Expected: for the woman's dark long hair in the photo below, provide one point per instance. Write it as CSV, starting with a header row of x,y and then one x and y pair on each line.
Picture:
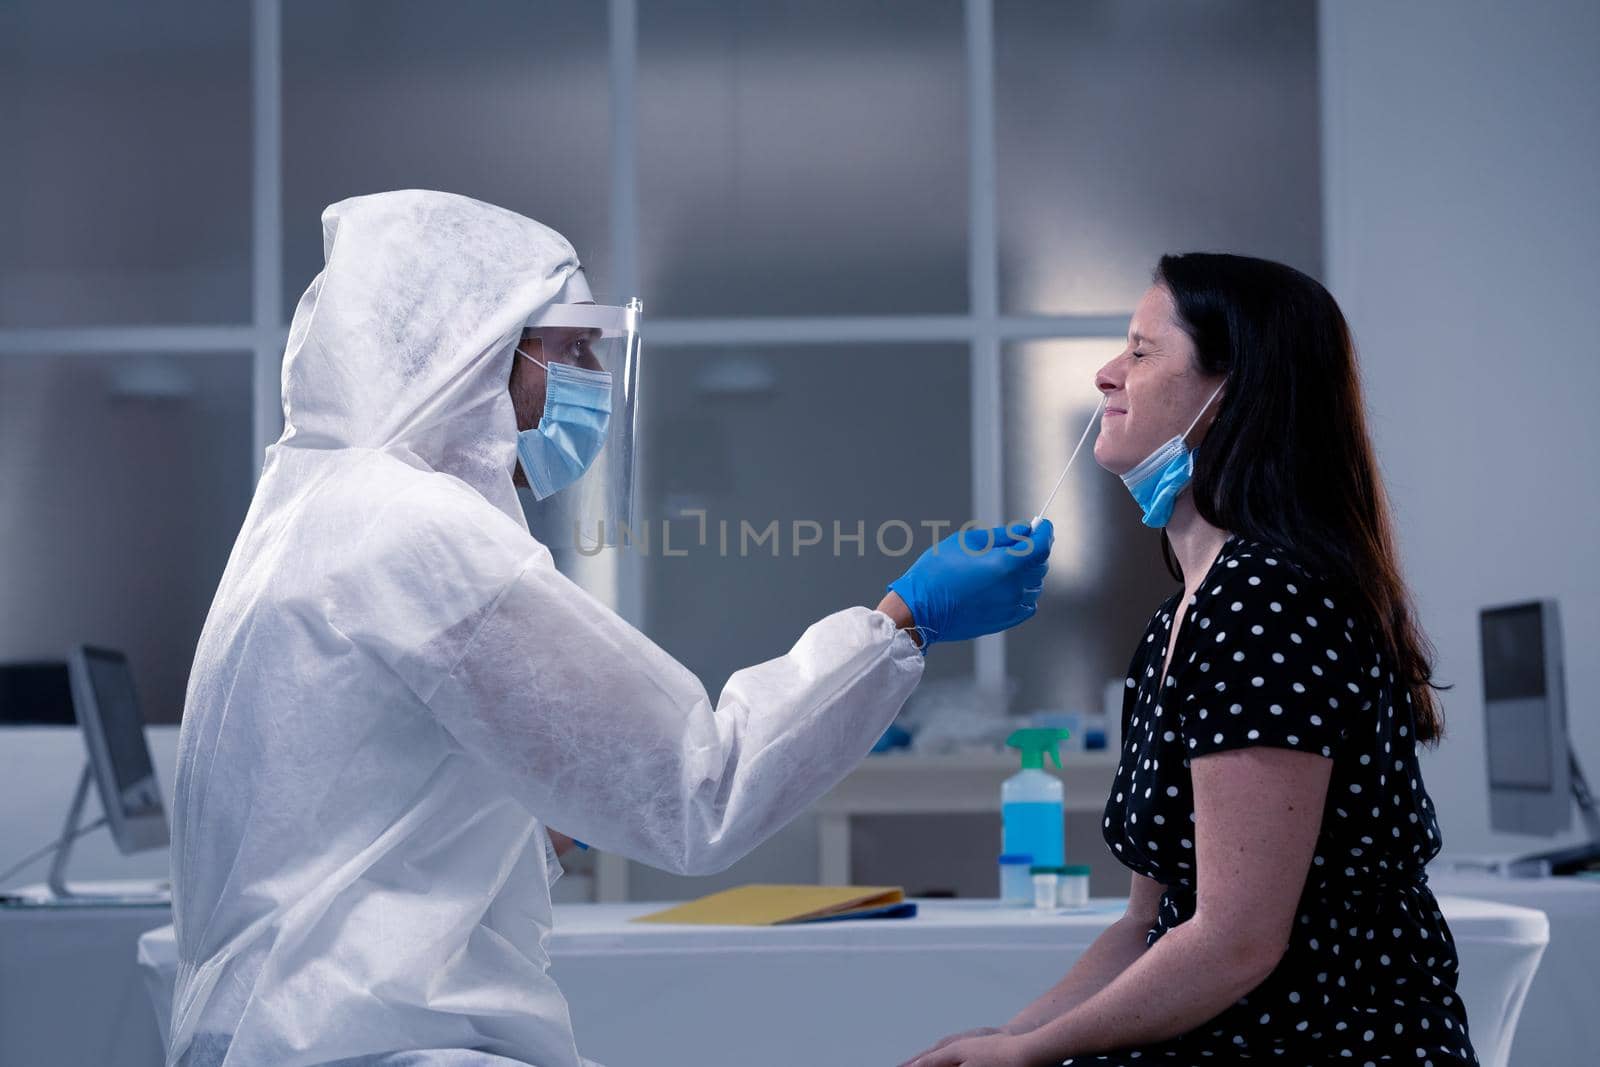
x,y
1287,460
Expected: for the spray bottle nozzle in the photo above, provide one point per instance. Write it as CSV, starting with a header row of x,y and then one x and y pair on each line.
x,y
1034,743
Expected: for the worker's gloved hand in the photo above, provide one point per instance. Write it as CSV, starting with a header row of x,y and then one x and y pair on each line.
x,y
976,582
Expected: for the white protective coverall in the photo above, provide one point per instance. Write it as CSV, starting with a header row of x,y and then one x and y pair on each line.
x,y
396,691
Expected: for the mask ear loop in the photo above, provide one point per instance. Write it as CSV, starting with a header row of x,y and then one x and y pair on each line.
x,y
1205,408
542,366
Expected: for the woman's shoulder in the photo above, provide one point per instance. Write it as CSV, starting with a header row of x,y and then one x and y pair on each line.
x,y
1258,557
1264,565
1276,658
1273,583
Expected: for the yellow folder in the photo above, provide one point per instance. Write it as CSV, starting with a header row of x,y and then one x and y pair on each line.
x,y
773,905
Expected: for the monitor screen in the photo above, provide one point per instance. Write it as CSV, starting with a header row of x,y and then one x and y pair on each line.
x,y
123,727
1513,653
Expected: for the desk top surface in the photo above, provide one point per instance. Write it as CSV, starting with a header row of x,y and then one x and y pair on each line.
x,y
977,921
603,928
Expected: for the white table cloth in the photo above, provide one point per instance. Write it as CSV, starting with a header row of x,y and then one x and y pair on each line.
x,y
1560,1022
873,992
70,993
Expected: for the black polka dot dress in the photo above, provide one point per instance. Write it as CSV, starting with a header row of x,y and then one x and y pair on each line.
x,y
1268,656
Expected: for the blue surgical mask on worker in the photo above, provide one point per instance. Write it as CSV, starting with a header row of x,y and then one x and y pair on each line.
x,y
1158,480
570,434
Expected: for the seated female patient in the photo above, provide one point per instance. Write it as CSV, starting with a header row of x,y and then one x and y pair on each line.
x,y
1268,800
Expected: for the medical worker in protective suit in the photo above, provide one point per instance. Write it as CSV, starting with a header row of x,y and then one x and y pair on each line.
x,y
396,692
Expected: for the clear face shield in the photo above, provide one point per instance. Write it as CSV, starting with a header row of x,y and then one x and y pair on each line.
x,y
579,460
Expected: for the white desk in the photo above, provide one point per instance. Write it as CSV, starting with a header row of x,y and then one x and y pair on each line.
x,y
70,990
874,992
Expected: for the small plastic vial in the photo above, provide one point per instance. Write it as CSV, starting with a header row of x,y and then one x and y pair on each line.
x,y
1072,889
1045,880
1016,886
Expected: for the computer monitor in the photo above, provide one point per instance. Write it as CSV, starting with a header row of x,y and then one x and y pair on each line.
x,y
1524,705
113,732
1534,774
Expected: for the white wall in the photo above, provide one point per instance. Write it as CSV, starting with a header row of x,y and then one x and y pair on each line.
x,y
1461,154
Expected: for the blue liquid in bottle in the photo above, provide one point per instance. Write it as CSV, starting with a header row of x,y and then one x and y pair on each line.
x,y
1034,827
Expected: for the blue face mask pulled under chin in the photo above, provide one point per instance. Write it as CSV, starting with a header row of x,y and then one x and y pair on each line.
x,y
572,431
1162,476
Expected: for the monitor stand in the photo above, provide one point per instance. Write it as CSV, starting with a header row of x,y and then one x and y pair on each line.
x,y
1573,858
125,893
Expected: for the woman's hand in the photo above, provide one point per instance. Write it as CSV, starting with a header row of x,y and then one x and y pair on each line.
x,y
976,1031
992,1049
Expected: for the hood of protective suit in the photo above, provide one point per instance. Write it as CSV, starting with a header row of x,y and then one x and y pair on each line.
x,y
404,342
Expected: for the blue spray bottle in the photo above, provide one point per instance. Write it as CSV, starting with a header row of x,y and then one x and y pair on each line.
x,y
1031,800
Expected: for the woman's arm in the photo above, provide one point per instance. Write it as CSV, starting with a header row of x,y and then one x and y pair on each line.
x,y
1257,815
1113,952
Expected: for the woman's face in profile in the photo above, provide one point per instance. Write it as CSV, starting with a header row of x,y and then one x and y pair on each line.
x,y
1153,389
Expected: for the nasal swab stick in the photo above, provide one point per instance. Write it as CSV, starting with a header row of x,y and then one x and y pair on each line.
x,y
1037,518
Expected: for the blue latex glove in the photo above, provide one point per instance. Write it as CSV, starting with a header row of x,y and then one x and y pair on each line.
x,y
977,582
